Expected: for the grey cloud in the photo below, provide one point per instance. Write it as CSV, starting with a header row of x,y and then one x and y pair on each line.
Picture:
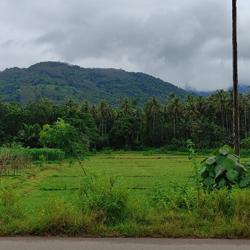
x,y
186,42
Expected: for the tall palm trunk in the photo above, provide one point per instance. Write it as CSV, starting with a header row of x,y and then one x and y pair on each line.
x,y
236,120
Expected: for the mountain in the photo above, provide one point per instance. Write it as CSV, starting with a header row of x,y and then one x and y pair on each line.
x,y
243,89
58,82
202,93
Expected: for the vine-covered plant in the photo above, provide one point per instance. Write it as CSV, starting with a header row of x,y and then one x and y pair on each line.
x,y
223,170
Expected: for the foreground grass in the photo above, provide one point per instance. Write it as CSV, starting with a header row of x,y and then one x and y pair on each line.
x,y
129,194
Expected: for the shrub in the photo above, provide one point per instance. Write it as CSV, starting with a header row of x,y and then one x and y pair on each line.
x,y
245,143
175,197
64,136
223,170
108,203
29,135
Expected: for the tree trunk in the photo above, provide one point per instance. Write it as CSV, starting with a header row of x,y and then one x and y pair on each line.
x,y
236,120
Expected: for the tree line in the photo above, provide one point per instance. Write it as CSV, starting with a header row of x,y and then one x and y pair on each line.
x,y
207,121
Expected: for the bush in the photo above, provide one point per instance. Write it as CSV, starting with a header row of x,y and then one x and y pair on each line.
x,y
29,135
108,203
223,170
64,136
175,197
187,212
245,143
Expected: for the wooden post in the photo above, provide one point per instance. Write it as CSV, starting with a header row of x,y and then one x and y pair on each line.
x,y
236,120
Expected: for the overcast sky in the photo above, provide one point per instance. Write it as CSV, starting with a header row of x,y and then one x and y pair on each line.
x,y
186,42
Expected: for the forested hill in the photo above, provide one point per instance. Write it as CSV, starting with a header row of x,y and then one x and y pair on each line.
x,y
60,81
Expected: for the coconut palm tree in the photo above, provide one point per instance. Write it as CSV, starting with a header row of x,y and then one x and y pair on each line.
x,y
236,120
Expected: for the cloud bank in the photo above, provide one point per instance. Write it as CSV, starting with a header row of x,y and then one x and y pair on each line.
x,y
186,42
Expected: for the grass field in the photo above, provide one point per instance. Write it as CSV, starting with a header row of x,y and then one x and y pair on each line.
x,y
139,173
133,171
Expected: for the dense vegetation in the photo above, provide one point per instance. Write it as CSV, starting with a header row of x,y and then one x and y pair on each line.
x,y
59,81
120,194
47,189
207,121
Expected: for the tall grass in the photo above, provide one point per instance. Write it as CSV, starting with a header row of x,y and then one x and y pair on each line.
x,y
47,154
13,159
101,198
103,209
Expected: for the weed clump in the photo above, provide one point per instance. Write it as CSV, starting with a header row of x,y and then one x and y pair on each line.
x,y
101,198
9,206
59,218
13,159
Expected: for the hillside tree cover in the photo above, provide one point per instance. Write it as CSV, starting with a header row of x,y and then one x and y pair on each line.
x,y
59,82
204,120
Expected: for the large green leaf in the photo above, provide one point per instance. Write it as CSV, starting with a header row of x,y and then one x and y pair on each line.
x,y
245,182
204,172
241,167
232,175
224,151
209,182
220,173
227,163
211,160
222,183
234,158
223,170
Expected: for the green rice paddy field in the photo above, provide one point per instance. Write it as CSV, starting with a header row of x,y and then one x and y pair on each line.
x,y
46,199
137,172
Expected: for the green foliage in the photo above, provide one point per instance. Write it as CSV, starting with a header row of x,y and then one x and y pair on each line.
x,y
166,210
64,136
176,196
219,212
153,122
59,82
29,135
126,131
195,165
14,158
103,199
9,206
47,154
216,203
223,170
55,218
160,123
245,143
